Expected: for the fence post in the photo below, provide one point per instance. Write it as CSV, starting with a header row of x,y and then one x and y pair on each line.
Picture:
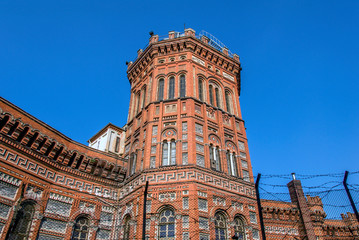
x,y
260,207
349,195
144,212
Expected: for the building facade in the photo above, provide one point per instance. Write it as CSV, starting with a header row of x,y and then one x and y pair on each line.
x,y
185,137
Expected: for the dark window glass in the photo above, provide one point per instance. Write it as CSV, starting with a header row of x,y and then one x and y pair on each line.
x,y
81,229
127,228
117,146
217,97
171,88
200,89
182,86
211,95
144,98
138,102
21,228
228,103
161,84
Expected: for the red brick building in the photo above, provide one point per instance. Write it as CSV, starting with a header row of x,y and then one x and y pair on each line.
x,y
304,218
185,136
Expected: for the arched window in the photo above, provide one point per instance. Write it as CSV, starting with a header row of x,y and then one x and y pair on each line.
x,y
161,85
220,226
126,228
171,88
239,228
166,228
143,97
81,229
211,100
22,224
228,102
133,162
200,89
138,99
169,153
215,157
217,97
232,163
182,86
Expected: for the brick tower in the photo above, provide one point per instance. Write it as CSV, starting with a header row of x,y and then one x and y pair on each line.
x,y
186,137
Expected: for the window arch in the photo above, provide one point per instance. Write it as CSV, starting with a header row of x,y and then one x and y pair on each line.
x,y
169,153
239,228
23,221
182,86
166,230
127,228
81,228
220,226
232,163
228,101
215,94
160,89
171,88
200,89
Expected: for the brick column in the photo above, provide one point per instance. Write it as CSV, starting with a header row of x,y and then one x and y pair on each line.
x,y
297,197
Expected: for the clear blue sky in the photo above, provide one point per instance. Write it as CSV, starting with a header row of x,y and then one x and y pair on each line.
x,y
64,63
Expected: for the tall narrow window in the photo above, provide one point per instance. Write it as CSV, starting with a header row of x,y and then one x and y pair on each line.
x,y
167,225
81,229
117,146
211,100
169,153
23,220
215,158
143,98
138,99
173,152
228,102
232,165
182,86
217,98
133,160
200,89
165,153
127,228
161,84
171,88
239,228
220,226
218,159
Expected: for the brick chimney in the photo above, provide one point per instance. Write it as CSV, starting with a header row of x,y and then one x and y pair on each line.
x,y
225,51
153,39
139,52
205,39
171,34
298,198
236,57
190,32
